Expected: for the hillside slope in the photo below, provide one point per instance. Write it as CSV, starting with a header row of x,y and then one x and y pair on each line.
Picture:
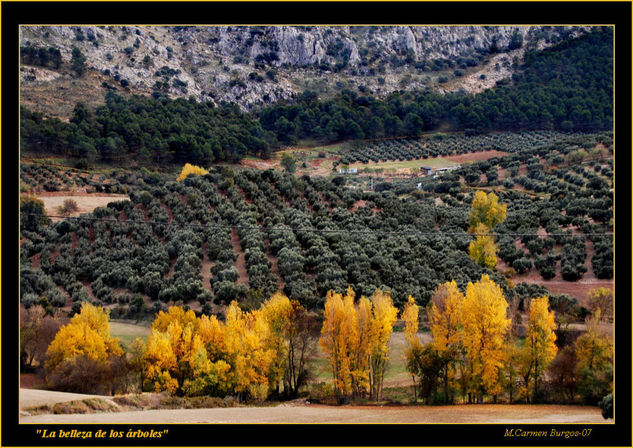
x,y
253,66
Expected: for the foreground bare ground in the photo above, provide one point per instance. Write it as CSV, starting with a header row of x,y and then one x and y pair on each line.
x,y
344,414
35,397
301,413
86,202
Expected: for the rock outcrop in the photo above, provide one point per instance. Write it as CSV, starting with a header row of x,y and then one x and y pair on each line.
x,y
254,66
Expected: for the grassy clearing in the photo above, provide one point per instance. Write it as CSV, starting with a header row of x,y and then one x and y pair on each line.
x,y
127,332
437,162
396,374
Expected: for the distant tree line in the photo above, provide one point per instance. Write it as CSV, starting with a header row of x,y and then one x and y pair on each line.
x,y
149,129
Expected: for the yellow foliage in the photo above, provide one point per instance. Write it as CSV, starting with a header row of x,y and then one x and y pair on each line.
x,y
174,314
540,344
277,312
483,249
87,334
602,299
411,320
484,328
594,349
191,169
485,209
355,337
246,335
336,337
445,316
384,317
159,360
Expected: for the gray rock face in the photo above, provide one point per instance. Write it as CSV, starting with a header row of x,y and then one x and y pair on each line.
x,y
253,66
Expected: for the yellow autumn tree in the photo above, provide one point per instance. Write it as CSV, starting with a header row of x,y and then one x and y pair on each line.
x,y
483,249
191,169
410,317
292,337
384,317
337,336
250,357
355,338
540,344
159,363
88,335
445,319
177,358
486,210
173,348
277,312
601,298
360,344
484,328
83,355
594,351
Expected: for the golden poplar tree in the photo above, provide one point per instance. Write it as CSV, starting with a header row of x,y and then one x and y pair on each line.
x,y
88,335
594,348
445,320
410,317
540,343
602,299
483,248
159,363
191,169
361,342
383,319
337,336
250,357
174,351
484,328
486,210
355,338
277,312
594,351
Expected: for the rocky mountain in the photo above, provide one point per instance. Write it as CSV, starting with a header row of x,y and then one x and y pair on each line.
x,y
254,66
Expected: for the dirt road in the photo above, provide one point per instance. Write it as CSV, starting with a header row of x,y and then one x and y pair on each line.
x,y
343,414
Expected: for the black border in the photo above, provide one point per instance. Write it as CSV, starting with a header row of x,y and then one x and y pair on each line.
x,y
490,13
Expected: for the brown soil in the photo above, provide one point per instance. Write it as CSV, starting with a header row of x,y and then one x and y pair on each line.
x,y
579,289
36,260
289,413
260,164
240,263
274,266
57,98
473,156
357,205
205,269
31,381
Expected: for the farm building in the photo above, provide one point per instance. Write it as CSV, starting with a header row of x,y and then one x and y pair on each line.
x,y
427,170
348,170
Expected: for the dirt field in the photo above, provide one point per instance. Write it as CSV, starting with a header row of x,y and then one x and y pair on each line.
x,y
343,414
86,202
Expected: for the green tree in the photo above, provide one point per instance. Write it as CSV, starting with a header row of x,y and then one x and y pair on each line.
x,y
289,162
32,213
78,62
